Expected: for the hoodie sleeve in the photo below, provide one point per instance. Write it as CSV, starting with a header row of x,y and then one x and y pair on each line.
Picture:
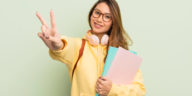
x,y
136,88
69,53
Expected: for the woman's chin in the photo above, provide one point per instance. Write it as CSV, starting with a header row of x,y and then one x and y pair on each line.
x,y
98,31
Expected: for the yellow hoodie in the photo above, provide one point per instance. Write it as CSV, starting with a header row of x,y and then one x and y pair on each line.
x,y
90,67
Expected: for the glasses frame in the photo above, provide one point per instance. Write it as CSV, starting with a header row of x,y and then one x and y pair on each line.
x,y
100,15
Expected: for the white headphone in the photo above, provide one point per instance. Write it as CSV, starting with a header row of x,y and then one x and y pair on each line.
x,y
94,40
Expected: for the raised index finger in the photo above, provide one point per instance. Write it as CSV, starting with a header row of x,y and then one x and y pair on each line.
x,y
41,19
52,19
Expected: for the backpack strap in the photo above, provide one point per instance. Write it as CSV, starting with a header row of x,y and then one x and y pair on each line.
x,y
80,54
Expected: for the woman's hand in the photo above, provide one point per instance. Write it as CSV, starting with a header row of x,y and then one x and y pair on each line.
x,y
103,86
49,35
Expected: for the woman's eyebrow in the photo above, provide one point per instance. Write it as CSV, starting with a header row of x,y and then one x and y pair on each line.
x,y
100,11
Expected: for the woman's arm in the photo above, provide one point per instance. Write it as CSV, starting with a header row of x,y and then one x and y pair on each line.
x,y
69,53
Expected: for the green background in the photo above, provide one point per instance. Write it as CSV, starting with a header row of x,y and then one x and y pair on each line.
x,y
161,31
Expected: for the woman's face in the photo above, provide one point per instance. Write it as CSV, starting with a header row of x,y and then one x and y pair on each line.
x,y
101,18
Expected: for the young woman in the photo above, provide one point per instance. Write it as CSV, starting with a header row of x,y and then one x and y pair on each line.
x,y
106,30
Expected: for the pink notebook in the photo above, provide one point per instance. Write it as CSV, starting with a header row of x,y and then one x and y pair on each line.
x,y
124,67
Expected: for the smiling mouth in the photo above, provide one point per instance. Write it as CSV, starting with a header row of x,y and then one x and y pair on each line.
x,y
96,25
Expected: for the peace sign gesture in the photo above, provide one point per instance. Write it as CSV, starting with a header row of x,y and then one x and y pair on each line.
x,y
49,35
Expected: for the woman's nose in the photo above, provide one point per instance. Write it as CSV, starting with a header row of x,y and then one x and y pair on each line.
x,y
100,18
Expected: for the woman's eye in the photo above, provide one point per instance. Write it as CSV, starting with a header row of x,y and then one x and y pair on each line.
x,y
97,12
108,17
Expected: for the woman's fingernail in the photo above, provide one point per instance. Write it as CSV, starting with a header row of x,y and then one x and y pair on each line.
x,y
47,37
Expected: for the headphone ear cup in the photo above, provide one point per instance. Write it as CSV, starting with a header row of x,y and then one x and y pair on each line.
x,y
95,39
104,39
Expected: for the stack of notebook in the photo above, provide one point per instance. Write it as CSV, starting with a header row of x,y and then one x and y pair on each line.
x,y
121,65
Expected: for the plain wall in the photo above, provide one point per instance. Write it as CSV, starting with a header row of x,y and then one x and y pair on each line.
x,y
161,31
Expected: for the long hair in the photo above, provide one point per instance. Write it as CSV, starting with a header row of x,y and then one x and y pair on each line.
x,y
117,35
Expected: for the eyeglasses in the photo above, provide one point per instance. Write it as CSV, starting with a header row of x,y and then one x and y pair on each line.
x,y
106,17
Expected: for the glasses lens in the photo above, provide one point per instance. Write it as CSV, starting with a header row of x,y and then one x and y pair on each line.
x,y
107,18
96,13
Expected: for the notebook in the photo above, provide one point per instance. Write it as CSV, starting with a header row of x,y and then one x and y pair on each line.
x,y
120,73
124,67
